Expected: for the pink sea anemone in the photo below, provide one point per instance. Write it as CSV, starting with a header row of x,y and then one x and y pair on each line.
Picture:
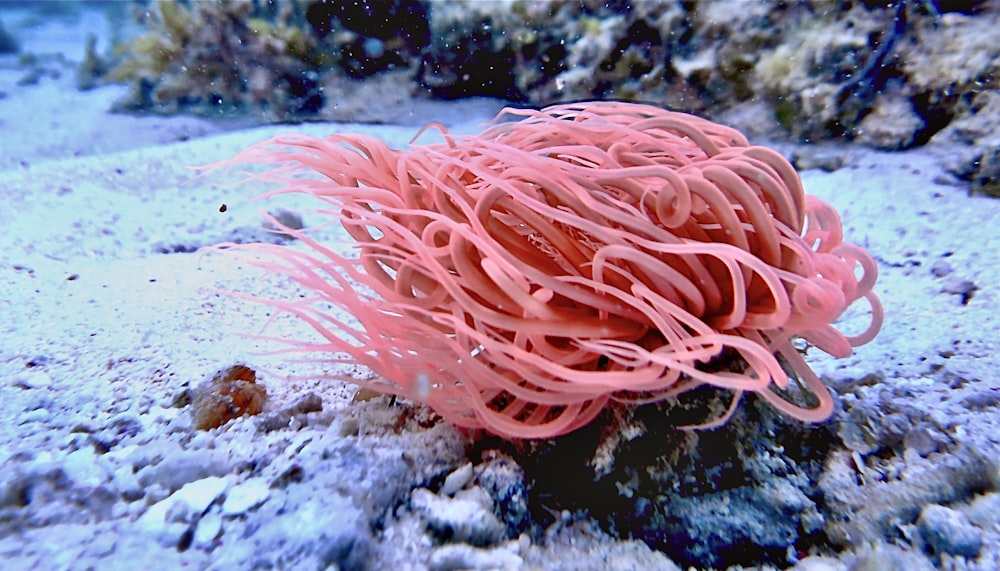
x,y
520,279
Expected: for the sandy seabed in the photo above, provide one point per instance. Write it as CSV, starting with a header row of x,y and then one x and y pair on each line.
x,y
109,311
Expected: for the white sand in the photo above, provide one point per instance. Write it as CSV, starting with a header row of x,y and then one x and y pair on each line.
x,y
99,332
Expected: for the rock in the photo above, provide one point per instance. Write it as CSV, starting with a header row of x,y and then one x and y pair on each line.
x,y
182,467
985,511
879,556
964,288
923,441
455,557
346,551
822,157
503,479
170,519
154,523
456,480
246,496
893,125
39,415
230,394
941,268
194,498
84,467
209,527
466,518
31,379
819,563
945,530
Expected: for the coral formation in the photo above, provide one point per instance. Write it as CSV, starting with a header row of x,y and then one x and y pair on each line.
x,y
271,59
217,58
522,279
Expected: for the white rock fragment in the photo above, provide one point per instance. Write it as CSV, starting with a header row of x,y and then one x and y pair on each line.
x,y
193,499
168,519
209,527
466,518
154,523
83,466
465,557
456,480
36,415
179,468
246,496
945,530
124,477
31,380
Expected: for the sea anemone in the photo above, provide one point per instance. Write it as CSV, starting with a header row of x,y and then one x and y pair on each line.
x,y
520,279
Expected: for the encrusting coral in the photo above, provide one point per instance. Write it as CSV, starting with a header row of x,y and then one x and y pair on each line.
x,y
520,279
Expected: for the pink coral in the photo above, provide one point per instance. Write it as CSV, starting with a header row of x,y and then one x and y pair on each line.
x,y
519,279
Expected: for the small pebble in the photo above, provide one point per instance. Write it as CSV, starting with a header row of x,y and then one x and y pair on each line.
x,y
230,394
32,379
941,268
964,288
36,415
209,527
456,480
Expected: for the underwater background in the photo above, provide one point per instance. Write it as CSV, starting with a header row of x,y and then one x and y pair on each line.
x,y
144,425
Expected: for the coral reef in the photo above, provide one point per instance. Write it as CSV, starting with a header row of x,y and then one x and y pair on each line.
x,y
270,60
890,75
219,58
